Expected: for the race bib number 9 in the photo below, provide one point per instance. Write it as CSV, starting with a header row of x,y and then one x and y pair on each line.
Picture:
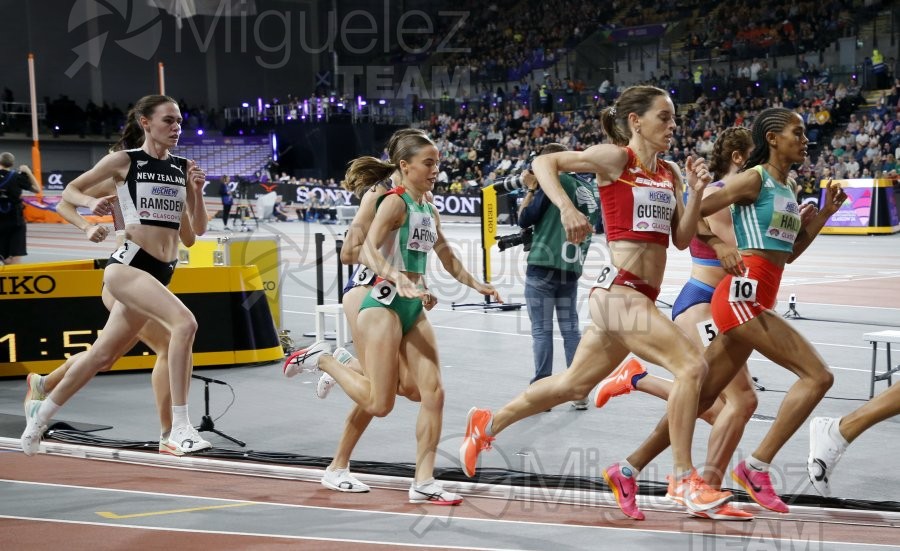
x,y
384,292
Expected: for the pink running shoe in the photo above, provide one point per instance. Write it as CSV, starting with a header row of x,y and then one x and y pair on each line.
x,y
759,485
624,487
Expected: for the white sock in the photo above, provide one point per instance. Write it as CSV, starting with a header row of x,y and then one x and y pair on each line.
x,y
627,469
417,484
180,416
757,465
47,411
835,433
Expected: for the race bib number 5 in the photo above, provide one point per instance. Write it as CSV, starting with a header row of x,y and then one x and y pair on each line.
x,y
384,292
364,275
608,274
708,331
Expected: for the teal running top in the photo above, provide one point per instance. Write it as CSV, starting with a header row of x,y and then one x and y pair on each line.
x,y
770,223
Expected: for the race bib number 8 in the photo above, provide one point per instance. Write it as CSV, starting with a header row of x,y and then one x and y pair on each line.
x,y
384,292
608,274
742,289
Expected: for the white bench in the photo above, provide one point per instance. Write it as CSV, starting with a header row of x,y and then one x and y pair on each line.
x,y
342,332
887,337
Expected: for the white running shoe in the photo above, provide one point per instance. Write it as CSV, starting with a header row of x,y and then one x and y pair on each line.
x,y
168,448
35,390
326,381
825,451
432,492
186,439
342,481
34,429
306,360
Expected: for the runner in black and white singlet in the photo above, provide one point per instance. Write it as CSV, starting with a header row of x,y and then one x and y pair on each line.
x,y
158,192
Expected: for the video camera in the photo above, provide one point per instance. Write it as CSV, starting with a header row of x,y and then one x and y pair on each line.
x,y
524,237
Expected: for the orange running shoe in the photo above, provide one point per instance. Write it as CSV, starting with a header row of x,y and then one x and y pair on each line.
x,y
723,512
696,494
476,439
618,382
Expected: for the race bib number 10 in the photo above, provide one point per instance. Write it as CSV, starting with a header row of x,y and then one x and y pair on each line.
x,y
742,289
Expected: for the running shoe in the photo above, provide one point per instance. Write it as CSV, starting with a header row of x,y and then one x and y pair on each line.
x,y
34,429
342,481
326,381
696,494
35,389
825,450
432,492
306,360
624,487
186,439
723,512
758,485
476,439
167,448
618,382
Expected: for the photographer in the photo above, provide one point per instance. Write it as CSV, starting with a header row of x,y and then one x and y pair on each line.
x,y
554,266
12,219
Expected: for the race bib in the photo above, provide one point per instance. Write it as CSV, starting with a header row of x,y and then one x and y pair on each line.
x,y
608,274
160,201
653,209
422,234
708,331
384,292
364,275
785,224
126,252
742,289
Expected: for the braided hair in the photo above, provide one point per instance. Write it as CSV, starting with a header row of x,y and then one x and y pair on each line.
x,y
774,119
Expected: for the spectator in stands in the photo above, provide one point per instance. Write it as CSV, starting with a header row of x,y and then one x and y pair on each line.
x,y
12,219
278,210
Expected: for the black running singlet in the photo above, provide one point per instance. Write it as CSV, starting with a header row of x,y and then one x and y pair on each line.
x,y
154,191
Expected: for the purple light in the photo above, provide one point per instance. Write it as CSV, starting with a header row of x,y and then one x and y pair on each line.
x,y
259,105
240,132
331,99
56,127
199,131
423,107
715,88
268,106
756,84
381,102
245,104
